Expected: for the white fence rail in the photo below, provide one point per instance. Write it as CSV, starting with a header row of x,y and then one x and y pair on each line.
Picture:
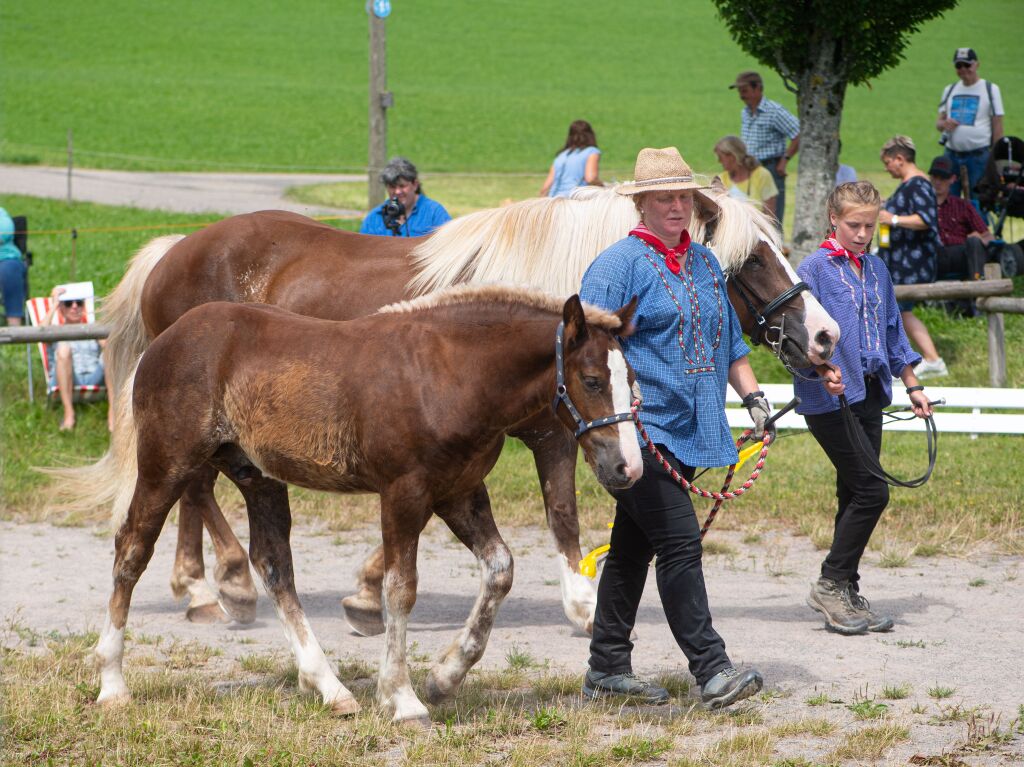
x,y
987,409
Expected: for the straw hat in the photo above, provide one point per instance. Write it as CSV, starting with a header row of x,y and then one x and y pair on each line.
x,y
659,170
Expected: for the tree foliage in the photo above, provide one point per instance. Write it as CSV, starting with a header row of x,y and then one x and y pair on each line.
x,y
869,36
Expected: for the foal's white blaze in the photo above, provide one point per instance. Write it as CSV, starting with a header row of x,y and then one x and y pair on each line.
x,y
816,319
628,444
579,600
109,655
315,672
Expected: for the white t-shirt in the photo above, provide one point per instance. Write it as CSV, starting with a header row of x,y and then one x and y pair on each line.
x,y
969,105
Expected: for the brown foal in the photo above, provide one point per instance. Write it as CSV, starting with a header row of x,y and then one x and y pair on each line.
x,y
412,403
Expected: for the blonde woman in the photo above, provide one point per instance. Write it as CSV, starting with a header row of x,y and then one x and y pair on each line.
x,y
744,176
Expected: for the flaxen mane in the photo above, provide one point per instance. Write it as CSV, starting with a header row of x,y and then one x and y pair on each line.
x,y
548,243
513,295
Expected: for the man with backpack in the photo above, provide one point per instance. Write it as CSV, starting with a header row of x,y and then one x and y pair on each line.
x,y
970,119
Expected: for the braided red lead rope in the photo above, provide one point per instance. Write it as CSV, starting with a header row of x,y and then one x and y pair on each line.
x,y
720,497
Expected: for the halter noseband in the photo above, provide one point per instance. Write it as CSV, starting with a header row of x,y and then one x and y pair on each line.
x,y
562,394
760,332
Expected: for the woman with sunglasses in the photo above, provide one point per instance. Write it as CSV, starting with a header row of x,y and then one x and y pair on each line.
x,y
73,363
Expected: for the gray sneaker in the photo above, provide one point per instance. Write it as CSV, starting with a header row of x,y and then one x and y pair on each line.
x,y
832,599
597,684
728,686
875,621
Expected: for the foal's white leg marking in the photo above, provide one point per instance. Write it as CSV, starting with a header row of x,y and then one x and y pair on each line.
x,y
621,401
199,592
109,656
816,319
579,599
469,646
315,671
394,688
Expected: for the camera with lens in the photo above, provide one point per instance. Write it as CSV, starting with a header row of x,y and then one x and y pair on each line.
x,y
943,138
392,211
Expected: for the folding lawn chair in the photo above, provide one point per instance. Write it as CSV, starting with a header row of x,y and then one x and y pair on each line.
x,y
36,310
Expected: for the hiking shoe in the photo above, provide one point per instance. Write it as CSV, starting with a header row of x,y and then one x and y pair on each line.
x,y
597,684
728,686
875,621
933,369
832,599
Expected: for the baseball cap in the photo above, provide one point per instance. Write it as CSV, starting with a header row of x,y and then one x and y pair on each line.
x,y
747,78
964,54
79,291
942,167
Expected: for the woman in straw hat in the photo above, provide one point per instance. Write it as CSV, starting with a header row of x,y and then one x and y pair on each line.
x,y
686,347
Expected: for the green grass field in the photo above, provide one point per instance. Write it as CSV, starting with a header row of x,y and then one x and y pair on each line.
x,y
491,87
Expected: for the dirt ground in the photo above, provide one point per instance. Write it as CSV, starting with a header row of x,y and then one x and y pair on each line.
x,y
959,621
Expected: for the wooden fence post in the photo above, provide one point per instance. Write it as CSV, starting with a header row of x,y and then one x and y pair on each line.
x,y
996,337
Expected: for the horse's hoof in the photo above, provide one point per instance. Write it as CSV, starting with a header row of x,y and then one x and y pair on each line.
x,y
114,701
363,618
418,721
435,693
208,613
239,609
345,707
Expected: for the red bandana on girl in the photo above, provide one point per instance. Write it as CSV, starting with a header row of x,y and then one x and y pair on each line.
x,y
672,255
832,245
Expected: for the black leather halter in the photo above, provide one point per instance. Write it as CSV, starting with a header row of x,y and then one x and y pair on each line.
x,y
760,332
562,394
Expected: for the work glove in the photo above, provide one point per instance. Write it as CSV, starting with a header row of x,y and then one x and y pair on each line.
x,y
759,410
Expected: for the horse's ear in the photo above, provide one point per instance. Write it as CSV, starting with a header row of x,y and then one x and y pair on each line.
x,y
575,322
717,185
625,314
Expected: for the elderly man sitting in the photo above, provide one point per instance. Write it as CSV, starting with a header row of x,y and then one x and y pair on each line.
x,y
962,230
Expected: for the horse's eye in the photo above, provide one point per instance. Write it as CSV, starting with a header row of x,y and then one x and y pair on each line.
x,y
592,383
755,261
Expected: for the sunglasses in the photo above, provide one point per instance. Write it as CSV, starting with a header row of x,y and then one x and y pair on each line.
x,y
963,65
73,302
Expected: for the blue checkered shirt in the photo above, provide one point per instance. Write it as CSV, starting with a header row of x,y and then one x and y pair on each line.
x,y
766,129
871,336
681,358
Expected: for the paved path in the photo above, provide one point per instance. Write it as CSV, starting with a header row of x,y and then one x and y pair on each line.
x,y
226,193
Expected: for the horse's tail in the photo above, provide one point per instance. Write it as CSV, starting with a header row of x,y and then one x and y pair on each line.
x,y
84,490
122,310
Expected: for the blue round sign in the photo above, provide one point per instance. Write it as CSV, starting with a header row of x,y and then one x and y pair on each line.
x,y
381,8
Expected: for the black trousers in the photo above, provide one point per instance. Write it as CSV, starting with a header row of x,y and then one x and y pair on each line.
x,y
655,516
862,497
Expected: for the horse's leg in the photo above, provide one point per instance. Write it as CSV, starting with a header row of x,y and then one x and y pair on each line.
x,y
401,525
269,528
133,548
554,453
237,591
364,611
473,524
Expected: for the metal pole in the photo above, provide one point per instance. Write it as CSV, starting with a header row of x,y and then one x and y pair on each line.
x,y
71,153
380,100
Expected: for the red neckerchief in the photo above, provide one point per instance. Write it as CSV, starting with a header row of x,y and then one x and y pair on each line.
x,y
832,245
671,255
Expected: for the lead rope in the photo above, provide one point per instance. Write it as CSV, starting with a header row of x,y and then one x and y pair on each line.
x,y
724,494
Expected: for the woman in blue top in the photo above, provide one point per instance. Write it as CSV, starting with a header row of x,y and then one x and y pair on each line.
x,y
576,165
856,289
687,345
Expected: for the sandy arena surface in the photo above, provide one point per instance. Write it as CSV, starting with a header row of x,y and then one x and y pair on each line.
x,y
959,621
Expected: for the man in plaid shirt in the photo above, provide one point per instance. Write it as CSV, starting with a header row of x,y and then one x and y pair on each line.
x,y
766,127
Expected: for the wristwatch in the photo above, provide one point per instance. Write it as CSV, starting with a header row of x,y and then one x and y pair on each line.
x,y
895,220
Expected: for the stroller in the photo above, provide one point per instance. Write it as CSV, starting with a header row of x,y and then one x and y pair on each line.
x,y
1001,194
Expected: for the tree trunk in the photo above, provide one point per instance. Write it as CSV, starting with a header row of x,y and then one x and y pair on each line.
x,y
820,95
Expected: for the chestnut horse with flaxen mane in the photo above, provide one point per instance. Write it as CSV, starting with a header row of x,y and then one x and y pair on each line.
x,y
310,268
412,403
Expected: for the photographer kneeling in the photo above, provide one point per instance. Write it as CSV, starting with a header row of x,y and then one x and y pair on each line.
x,y
407,212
